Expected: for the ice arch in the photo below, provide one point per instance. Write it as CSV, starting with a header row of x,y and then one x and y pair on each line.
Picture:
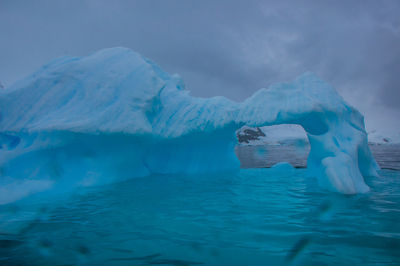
x,y
115,113
267,146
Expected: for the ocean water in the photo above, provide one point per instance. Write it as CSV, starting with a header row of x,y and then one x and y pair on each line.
x,y
387,156
262,216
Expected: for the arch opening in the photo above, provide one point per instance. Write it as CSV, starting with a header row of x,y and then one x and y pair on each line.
x,y
260,147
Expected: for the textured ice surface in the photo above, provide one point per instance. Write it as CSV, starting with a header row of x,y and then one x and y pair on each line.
x,y
115,115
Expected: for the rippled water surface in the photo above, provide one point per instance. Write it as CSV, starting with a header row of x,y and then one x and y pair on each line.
x,y
387,156
252,217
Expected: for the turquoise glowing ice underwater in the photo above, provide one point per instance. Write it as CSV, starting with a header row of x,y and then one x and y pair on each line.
x,y
252,217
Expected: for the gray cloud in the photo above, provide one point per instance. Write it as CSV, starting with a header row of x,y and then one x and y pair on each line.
x,y
229,48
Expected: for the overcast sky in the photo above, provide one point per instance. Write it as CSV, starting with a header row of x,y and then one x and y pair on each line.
x,y
229,48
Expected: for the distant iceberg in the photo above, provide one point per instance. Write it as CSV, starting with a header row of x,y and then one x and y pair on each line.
x,y
285,134
114,115
377,136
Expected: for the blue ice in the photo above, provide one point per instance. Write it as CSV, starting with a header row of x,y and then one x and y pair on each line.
x,y
115,115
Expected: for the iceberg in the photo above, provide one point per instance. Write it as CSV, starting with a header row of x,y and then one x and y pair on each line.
x,y
115,115
379,136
